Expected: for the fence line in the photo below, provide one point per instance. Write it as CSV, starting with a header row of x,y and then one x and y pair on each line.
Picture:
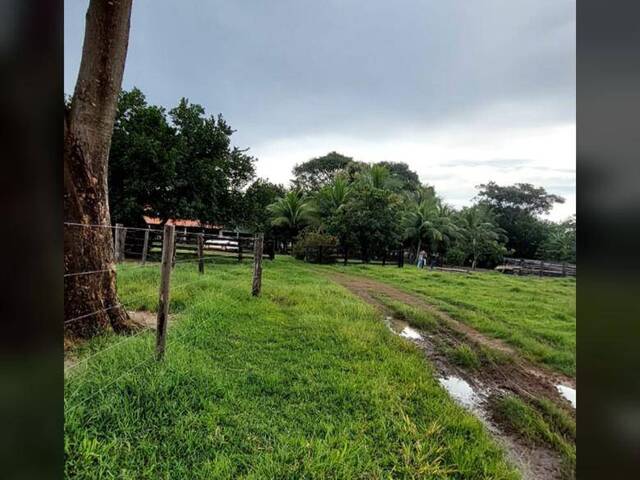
x,y
173,243
118,378
93,313
100,352
89,272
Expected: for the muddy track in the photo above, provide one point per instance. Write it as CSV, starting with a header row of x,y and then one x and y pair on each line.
x,y
517,376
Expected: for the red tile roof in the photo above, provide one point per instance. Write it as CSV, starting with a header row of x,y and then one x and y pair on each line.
x,y
180,222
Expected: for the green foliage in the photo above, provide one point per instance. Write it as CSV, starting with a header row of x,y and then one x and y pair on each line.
x,y
372,217
521,196
481,237
292,212
377,176
179,165
309,243
257,197
560,242
355,201
318,172
464,356
516,207
403,177
303,382
429,224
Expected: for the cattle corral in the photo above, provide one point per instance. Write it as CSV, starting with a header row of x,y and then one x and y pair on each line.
x,y
543,268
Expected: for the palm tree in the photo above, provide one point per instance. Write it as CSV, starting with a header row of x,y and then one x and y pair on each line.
x,y
292,212
478,231
429,221
333,197
379,176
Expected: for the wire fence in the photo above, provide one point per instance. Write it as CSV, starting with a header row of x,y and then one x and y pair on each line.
x,y
160,250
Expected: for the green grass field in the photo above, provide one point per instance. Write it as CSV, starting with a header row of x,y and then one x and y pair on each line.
x,y
303,382
535,315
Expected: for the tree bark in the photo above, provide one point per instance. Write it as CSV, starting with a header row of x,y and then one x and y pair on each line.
x,y
88,126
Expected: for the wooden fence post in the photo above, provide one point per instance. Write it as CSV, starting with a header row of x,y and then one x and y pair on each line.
x,y
162,318
120,237
116,242
257,265
272,249
384,257
541,267
174,248
123,243
401,258
564,269
239,250
145,247
346,255
201,253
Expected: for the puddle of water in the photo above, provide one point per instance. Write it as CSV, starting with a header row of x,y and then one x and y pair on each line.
x,y
408,332
402,328
568,393
460,390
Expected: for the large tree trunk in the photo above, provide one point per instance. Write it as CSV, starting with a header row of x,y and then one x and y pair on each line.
x,y
88,126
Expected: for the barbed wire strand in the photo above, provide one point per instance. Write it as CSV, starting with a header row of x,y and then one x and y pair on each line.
x,y
178,233
93,313
100,352
118,378
88,272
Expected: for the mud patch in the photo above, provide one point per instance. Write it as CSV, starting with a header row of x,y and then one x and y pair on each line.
x,y
143,318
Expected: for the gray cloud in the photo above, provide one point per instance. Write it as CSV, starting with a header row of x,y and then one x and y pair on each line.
x,y
497,163
287,67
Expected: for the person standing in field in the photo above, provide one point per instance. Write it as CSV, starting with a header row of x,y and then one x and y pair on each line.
x,y
434,261
422,259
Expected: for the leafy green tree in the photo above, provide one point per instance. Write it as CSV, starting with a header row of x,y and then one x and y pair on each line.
x,y
403,177
256,199
372,218
480,235
179,165
516,208
142,160
210,174
292,212
521,196
331,202
312,175
560,243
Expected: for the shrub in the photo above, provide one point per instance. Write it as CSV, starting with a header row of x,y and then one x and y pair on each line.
x,y
315,247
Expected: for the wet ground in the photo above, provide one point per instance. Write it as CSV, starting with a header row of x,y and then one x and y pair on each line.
x,y
475,389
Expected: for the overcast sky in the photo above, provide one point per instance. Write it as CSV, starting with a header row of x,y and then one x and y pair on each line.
x,y
463,91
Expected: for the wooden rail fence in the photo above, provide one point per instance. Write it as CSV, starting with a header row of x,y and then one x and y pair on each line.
x,y
524,266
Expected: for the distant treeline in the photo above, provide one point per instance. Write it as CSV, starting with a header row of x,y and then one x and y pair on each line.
x,y
180,164
378,208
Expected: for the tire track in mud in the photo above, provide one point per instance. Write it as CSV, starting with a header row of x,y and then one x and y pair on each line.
x,y
490,381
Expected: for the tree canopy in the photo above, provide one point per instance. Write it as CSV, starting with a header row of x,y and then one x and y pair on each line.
x,y
516,208
319,171
175,165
